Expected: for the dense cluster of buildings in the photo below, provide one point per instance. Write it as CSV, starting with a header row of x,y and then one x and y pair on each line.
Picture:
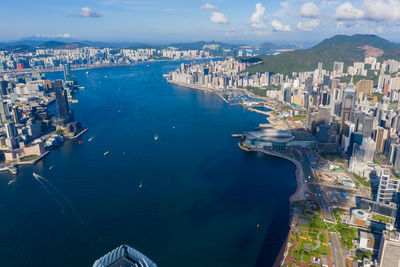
x,y
27,127
352,112
89,56
224,74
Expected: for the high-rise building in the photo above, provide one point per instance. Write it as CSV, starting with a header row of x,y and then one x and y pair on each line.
x,y
124,256
388,187
337,68
389,250
11,131
64,113
380,136
348,102
4,111
364,88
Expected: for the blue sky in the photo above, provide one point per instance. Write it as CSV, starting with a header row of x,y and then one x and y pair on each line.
x,y
188,20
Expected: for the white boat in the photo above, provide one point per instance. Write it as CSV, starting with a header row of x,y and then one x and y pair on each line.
x,y
51,167
140,184
91,139
87,73
11,181
156,137
105,76
106,153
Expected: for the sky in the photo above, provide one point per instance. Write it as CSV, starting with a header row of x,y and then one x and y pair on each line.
x,y
157,21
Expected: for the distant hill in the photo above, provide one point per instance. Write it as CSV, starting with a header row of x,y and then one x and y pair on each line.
x,y
61,45
338,48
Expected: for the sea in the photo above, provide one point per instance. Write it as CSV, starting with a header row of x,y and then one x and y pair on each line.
x,y
174,185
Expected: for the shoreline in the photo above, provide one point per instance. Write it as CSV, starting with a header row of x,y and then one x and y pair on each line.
x,y
296,196
299,173
100,66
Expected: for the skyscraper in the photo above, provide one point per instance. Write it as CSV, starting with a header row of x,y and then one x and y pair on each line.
x,y
389,250
64,113
388,187
4,111
124,256
337,68
348,102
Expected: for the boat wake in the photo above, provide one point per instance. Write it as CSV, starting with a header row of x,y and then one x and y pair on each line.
x,y
64,204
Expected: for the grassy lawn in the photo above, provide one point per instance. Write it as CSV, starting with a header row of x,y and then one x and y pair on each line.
x,y
332,157
347,234
380,218
362,180
308,241
337,213
28,158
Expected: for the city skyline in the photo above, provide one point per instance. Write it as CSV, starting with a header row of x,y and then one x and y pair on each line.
x,y
220,20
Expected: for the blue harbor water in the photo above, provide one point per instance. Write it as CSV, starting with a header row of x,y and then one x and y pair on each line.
x,y
189,198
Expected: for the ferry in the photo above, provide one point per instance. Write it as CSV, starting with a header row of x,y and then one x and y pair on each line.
x,y
106,153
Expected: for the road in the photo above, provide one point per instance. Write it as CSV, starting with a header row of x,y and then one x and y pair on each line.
x,y
315,188
339,255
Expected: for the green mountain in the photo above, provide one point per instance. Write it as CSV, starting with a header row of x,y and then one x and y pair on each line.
x,y
347,49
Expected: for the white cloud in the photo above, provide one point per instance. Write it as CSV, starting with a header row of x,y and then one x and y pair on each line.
x,y
88,12
347,11
308,24
309,10
257,19
218,18
380,10
230,31
208,6
60,35
280,27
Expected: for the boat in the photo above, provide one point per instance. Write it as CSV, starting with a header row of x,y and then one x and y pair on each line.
x,y
11,181
156,137
105,76
106,153
91,139
87,73
51,167
173,127
140,184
